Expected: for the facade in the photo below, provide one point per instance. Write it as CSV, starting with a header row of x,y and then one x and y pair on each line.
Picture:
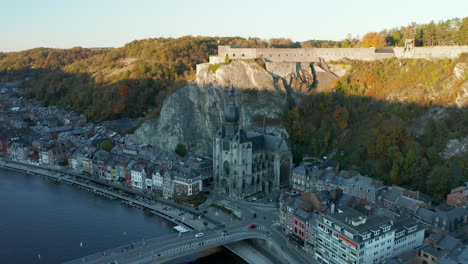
x,y
245,162
168,185
351,237
138,173
157,181
187,184
458,196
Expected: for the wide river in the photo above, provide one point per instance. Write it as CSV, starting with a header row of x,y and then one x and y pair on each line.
x,y
46,222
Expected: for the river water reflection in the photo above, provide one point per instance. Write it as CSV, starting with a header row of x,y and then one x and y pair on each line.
x,y
46,222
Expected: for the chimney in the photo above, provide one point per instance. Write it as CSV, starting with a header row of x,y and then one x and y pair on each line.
x,y
332,208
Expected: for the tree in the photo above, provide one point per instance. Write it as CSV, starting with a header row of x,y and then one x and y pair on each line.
x,y
373,39
181,150
439,182
106,145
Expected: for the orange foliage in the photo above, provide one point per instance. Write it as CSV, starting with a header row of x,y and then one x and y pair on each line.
x,y
118,108
373,39
124,90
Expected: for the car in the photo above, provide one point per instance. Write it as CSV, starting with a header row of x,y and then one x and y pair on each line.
x,y
252,226
197,235
252,199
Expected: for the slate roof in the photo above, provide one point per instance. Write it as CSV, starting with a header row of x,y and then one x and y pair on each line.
x,y
303,215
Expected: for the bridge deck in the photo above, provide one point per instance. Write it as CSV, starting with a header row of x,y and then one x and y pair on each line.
x,y
167,247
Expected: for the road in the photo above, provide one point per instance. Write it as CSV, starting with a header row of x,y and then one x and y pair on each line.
x,y
173,245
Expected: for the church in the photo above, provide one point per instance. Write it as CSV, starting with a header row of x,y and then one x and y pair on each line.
x,y
245,163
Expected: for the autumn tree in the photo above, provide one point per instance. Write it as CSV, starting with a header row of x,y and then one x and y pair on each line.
x,y
373,39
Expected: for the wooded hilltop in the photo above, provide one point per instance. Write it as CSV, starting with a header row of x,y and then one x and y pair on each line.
x,y
401,114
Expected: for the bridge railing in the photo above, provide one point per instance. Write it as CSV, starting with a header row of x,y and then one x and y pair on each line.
x,y
148,254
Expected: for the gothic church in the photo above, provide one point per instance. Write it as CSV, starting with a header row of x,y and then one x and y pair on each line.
x,y
244,162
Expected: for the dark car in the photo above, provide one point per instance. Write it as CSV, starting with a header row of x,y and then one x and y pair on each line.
x,y
252,226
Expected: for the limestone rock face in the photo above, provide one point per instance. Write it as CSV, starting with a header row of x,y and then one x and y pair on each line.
x,y
193,114
239,74
301,81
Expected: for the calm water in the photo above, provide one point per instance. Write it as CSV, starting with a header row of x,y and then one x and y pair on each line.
x,y
40,217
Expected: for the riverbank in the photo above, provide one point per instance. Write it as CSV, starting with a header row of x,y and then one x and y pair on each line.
x,y
179,215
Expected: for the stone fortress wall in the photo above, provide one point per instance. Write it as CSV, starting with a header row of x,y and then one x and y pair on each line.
x,y
283,61
439,52
328,54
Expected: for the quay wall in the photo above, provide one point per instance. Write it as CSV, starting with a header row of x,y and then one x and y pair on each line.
x,y
160,202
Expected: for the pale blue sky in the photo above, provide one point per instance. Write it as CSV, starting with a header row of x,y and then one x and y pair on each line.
x,y
112,23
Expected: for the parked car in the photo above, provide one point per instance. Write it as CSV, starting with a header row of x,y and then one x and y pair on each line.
x,y
252,226
197,235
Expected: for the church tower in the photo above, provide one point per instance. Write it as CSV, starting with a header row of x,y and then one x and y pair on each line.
x,y
231,116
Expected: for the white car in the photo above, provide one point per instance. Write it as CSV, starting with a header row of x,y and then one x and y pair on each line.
x,y
197,235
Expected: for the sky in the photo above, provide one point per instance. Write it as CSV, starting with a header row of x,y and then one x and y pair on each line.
x,y
26,24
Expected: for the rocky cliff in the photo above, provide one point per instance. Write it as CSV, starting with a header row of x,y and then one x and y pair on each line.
x,y
194,113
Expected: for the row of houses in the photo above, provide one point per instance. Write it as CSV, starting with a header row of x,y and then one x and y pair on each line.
x,y
54,138
336,216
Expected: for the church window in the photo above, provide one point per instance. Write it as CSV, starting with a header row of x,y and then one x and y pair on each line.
x,y
242,54
233,54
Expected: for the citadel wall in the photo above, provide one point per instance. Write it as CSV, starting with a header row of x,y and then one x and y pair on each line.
x,y
440,52
313,54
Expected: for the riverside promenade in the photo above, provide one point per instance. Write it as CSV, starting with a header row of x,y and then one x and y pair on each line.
x,y
176,213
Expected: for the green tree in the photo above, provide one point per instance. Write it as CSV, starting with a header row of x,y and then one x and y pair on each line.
x,y
106,145
181,150
439,182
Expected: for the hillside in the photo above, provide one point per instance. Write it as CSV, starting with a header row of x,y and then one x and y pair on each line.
x,y
134,79
407,122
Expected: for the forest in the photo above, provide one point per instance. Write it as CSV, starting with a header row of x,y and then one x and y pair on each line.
x,y
396,131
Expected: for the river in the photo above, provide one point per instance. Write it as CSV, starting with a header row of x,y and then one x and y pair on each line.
x,y
47,222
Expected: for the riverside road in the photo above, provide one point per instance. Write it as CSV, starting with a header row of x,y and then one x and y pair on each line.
x,y
147,252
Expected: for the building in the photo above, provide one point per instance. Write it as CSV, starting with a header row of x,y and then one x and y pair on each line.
x,y
138,173
245,163
352,237
157,180
187,184
458,196
441,248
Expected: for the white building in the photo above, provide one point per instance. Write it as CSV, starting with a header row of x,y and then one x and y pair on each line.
x,y
138,176
158,180
352,237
